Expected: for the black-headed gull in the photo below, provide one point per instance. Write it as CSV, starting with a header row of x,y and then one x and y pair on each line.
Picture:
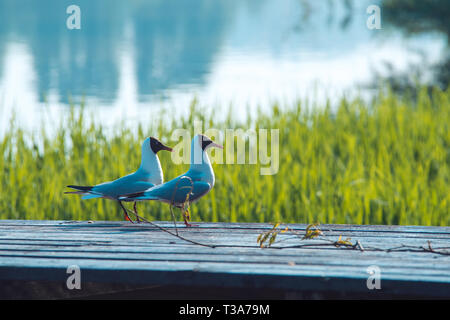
x,y
148,175
188,187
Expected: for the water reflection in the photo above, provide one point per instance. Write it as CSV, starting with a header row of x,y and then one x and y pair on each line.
x,y
169,47
131,56
416,18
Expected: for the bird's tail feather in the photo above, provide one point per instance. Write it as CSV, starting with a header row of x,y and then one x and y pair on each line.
x,y
85,191
74,192
81,188
91,196
85,195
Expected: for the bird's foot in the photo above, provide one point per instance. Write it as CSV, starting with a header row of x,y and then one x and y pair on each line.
x,y
127,218
189,225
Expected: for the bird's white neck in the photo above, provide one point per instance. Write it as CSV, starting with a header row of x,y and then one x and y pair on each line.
x,y
200,162
150,165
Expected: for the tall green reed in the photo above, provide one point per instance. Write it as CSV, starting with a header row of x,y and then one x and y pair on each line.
x,y
381,162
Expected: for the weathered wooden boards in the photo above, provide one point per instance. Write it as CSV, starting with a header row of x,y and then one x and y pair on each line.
x,y
119,257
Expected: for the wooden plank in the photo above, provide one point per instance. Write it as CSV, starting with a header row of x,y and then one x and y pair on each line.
x,y
132,254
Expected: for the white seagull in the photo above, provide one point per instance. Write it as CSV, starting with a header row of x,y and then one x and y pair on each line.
x,y
188,187
148,175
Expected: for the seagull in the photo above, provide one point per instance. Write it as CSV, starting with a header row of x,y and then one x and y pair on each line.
x,y
188,187
148,175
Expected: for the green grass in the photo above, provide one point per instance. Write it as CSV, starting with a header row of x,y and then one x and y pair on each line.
x,y
384,162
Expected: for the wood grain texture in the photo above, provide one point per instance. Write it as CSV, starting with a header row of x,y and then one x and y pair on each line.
x,y
139,255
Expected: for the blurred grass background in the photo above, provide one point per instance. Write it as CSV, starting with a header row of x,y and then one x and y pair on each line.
x,y
383,162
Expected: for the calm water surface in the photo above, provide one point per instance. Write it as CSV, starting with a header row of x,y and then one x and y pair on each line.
x,y
133,58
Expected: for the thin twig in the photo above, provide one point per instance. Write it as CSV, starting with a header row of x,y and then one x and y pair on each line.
x,y
329,243
169,232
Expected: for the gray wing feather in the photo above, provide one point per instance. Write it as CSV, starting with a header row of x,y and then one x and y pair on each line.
x,y
172,191
115,190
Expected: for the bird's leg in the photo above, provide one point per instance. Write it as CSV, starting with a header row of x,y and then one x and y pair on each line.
x,y
183,207
127,217
186,214
136,213
188,225
187,217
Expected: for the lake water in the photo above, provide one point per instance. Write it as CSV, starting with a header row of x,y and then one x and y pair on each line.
x,y
133,58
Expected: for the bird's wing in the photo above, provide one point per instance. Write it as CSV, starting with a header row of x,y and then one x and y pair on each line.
x,y
139,196
160,192
179,193
175,193
200,189
115,190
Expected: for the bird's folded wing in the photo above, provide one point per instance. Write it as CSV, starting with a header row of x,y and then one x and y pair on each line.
x,y
115,190
138,196
137,188
195,191
200,189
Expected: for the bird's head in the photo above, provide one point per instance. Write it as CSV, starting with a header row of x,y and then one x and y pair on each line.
x,y
156,145
206,143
